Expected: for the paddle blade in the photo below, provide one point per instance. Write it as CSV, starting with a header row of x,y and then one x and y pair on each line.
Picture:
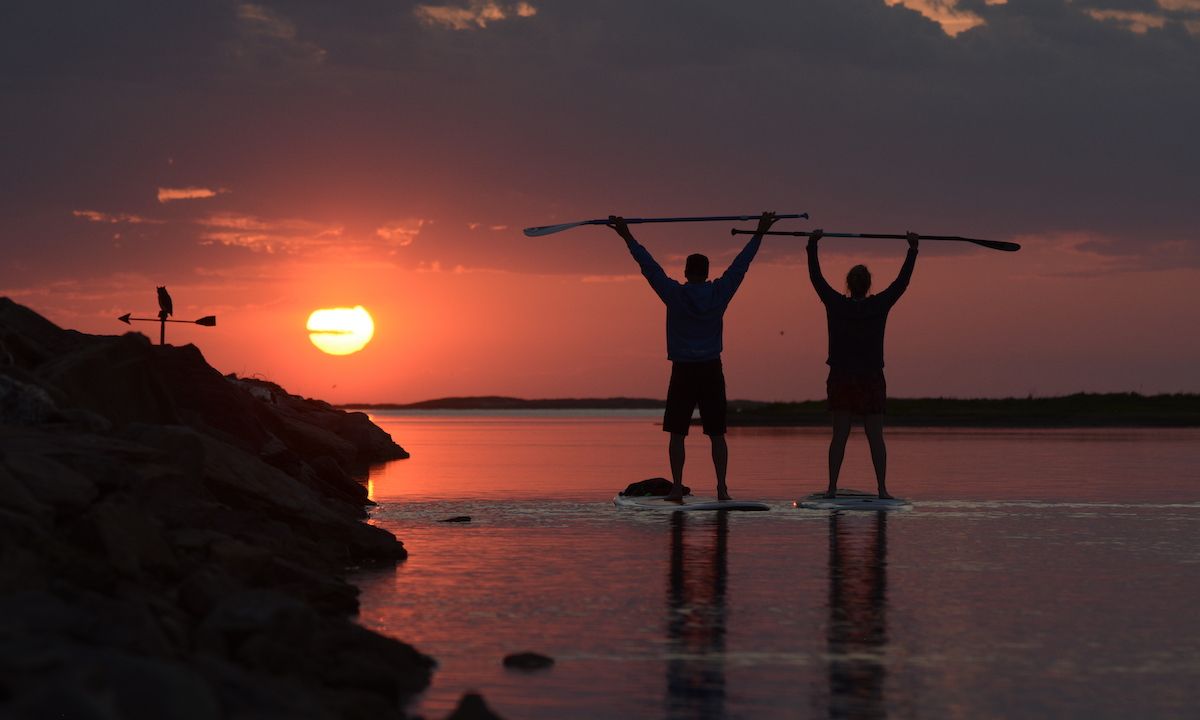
x,y
207,320
125,318
999,245
551,229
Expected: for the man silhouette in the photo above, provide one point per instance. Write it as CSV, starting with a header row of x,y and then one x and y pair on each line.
x,y
856,385
694,328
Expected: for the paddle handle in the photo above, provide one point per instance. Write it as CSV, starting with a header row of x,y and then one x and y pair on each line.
x,y
1002,245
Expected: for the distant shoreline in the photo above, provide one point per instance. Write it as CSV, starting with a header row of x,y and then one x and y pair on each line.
x,y
1077,410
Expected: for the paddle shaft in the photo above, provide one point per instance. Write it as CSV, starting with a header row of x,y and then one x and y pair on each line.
x,y
550,229
993,244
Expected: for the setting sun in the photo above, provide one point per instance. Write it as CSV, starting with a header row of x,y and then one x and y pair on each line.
x,y
340,331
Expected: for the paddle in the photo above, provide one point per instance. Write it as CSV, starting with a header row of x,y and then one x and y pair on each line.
x,y
551,229
993,244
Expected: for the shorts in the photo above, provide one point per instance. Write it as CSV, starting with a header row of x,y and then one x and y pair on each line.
x,y
858,392
692,384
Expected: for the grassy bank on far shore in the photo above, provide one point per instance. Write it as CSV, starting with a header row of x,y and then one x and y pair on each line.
x,y
1078,410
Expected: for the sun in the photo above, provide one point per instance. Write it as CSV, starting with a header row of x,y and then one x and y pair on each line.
x,y
340,331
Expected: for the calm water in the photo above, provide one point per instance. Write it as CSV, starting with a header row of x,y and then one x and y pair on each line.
x,y
1039,573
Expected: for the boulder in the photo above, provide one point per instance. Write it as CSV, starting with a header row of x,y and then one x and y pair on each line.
x,y
23,403
528,661
116,377
471,706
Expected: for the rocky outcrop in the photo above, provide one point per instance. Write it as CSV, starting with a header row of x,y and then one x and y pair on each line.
x,y
471,706
173,541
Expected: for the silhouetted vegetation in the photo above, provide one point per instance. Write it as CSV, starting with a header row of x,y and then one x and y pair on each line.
x,y
1078,410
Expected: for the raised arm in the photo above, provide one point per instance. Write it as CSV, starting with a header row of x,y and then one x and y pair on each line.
x,y
824,291
893,292
736,272
653,272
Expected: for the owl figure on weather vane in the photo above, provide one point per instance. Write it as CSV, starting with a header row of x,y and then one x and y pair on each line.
x,y
165,306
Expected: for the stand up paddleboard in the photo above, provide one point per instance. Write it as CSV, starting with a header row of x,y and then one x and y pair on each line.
x,y
690,502
851,500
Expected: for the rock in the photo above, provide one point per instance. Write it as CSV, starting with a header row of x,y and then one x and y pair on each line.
x,y
653,487
15,496
23,403
458,519
30,338
528,661
131,539
263,630
116,377
50,481
472,707
358,658
109,685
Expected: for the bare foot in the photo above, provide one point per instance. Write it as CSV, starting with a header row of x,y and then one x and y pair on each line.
x,y
674,497
723,497
830,494
883,495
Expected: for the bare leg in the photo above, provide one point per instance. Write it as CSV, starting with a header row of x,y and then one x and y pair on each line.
x,y
675,451
720,456
837,449
873,424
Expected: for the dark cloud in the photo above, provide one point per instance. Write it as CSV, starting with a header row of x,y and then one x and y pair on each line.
x,y
1042,120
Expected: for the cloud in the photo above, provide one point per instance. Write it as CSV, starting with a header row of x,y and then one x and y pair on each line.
x,y
268,35
1180,5
166,195
401,233
1187,12
476,14
1137,22
268,236
609,278
99,217
946,13
1087,254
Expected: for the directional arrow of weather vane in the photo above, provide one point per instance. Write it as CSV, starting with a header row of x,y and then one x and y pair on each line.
x,y
207,321
165,308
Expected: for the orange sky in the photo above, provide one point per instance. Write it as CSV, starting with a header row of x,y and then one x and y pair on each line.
x,y
264,159
973,323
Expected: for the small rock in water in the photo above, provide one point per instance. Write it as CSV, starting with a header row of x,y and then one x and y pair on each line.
x,y
527,661
458,518
472,707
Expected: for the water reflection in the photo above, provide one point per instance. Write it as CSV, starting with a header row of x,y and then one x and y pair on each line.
x,y
857,637
696,617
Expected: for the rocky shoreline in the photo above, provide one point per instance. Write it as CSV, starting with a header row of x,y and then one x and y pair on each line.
x,y
174,540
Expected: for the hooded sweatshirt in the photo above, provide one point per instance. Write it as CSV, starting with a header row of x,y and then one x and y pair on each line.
x,y
695,310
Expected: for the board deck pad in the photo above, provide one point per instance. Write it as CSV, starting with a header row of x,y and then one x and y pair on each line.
x,y
850,500
690,502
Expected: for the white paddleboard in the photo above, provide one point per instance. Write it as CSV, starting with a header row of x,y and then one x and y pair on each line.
x,y
690,502
850,500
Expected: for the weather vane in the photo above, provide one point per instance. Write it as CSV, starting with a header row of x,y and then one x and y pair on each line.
x,y
165,309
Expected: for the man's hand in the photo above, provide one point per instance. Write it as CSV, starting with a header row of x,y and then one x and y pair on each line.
x,y
617,223
765,222
815,236
913,239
